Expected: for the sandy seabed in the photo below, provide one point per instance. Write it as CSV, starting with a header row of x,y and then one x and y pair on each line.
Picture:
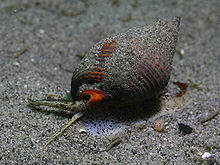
x,y
39,41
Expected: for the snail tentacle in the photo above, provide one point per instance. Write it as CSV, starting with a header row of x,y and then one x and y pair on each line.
x,y
74,118
77,106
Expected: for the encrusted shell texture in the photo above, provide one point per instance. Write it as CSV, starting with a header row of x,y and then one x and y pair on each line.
x,y
128,67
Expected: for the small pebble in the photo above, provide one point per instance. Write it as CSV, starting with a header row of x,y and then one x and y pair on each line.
x,y
206,155
82,130
158,125
41,31
16,64
182,51
185,129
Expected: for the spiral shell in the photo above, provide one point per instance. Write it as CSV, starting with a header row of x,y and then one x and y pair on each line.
x,y
128,67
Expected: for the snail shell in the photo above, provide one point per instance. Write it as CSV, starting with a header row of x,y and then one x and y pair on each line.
x,y
128,67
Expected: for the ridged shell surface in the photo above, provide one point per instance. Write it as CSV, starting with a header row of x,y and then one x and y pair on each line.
x,y
131,66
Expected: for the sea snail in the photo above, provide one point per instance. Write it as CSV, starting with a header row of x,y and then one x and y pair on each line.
x,y
123,69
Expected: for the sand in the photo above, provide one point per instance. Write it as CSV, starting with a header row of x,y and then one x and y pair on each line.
x,y
39,41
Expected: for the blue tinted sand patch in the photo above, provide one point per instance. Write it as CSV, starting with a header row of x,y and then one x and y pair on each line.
x,y
102,124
